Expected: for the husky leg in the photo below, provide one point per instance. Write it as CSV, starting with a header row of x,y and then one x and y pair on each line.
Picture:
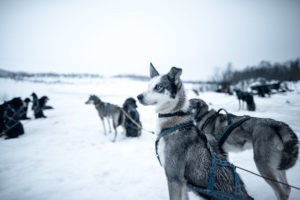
x,y
184,193
280,192
103,124
282,178
109,126
115,128
175,190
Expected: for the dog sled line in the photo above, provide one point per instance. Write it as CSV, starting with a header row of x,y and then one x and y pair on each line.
x,y
189,156
15,110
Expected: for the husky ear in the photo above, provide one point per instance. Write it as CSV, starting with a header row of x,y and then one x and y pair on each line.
x,y
153,71
174,74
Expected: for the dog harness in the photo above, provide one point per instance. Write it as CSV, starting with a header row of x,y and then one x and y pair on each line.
x,y
10,118
209,190
167,131
21,111
231,126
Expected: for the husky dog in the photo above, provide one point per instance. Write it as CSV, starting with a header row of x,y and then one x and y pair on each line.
x,y
275,145
23,113
10,124
36,107
245,97
43,101
129,107
107,110
184,155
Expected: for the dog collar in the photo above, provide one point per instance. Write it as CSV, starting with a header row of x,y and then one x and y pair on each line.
x,y
178,113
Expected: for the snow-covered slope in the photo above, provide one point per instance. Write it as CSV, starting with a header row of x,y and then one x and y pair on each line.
x,y
66,156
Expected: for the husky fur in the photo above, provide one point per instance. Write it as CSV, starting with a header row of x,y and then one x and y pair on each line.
x,y
36,107
108,111
11,108
23,115
129,107
275,145
245,97
43,101
183,154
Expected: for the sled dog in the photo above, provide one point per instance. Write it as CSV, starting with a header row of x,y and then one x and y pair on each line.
x,y
184,152
275,145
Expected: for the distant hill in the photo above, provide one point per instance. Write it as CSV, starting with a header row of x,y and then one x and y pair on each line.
x,y
27,75
22,75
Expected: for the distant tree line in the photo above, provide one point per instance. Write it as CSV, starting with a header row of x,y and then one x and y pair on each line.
x,y
287,71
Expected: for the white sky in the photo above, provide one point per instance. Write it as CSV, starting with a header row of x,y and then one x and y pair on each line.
x,y
120,36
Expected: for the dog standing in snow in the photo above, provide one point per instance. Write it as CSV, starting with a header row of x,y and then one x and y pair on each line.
x,y
183,152
108,111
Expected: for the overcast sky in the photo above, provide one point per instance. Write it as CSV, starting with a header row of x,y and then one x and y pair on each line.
x,y
120,36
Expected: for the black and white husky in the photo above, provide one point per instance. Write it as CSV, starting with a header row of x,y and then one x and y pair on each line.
x,y
108,111
183,151
275,145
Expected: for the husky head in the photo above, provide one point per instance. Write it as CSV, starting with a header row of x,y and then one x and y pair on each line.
x,y
165,92
93,99
197,107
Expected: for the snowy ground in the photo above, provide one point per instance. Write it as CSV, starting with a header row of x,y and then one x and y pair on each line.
x,y
66,156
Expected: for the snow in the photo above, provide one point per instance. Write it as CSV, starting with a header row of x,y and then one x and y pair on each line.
x,y
66,156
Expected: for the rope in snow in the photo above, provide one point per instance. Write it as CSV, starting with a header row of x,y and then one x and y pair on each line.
x,y
137,124
273,180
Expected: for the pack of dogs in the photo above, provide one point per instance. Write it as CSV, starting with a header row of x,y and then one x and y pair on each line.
x,y
116,115
193,143
264,89
15,110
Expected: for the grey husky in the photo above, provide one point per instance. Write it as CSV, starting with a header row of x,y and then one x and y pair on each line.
x,y
275,145
183,153
108,111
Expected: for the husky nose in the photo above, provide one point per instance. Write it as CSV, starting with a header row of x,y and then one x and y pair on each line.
x,y
140,97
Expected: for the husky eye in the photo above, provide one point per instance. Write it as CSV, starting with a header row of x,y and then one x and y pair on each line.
x,y
158,87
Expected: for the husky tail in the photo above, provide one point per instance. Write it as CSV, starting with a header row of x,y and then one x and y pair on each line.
x,y
290,145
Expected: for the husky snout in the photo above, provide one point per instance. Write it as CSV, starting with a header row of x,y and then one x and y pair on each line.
x,y
140,97
88,102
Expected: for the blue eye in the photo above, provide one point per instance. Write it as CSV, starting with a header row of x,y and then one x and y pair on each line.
x,y
158,87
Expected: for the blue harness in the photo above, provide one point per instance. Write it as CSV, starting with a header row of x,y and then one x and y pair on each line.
x,y
209,190
231,126
10,118
106,105
21,111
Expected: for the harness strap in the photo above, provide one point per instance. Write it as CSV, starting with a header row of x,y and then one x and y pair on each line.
x,y
178,113
198,119
210,191
214,193
230,129
10,121
167,131
208,120
21,111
